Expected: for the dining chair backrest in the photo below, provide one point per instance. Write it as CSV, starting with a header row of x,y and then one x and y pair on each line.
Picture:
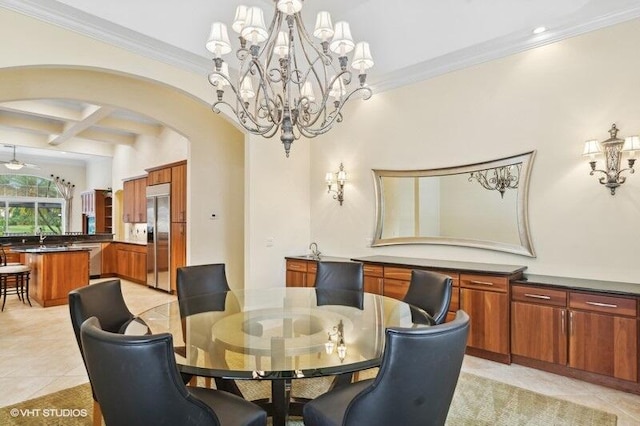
x,y
430,291
102,300
199,280
417,378
339,276
136,380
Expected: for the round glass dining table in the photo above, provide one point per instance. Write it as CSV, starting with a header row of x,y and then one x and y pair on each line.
x,y
279,334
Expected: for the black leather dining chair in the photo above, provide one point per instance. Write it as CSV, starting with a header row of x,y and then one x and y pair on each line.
x,y
204,288
431,292
418,376
104,301
136,381
339,276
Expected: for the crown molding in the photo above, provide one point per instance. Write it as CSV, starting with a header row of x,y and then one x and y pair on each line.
x,y
495,49
64,16
70,18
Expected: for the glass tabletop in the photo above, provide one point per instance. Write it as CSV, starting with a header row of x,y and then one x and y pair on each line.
x,y
278,333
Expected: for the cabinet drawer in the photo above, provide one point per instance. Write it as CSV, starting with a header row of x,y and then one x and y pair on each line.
x,y
484,282
605,304
542,295
312,267
372,270
297,265
397,273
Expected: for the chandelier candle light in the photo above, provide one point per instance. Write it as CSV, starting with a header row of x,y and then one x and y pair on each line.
x,y
499,178
286,81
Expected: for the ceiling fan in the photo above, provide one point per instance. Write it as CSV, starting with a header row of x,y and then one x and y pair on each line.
x,y
15,164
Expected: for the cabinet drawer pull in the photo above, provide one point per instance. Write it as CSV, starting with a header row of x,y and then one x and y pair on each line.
x,y
481,282
602,305
537,296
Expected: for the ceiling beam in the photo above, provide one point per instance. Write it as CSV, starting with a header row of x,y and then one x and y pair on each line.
x,y
41,109
131,126
29,123
108,137
91,115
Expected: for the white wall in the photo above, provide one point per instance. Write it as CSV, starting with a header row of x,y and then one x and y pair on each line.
x,y
550,99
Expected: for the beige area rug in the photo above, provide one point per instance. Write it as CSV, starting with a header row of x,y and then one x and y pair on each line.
x,y
477,401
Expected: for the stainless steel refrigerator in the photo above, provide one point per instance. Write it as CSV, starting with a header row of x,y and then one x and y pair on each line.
x,y
158,238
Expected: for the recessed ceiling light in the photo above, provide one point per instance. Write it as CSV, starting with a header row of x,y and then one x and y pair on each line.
x,y
539,30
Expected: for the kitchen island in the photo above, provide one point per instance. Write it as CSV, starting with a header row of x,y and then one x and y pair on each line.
x,y
55,271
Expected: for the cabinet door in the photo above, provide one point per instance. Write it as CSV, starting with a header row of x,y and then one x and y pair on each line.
x,y
604,344
138,267
539,332
123,264
156,177
128,201
296,275
373,284
395,288
109,259
140,200
489,319
179,193
178,249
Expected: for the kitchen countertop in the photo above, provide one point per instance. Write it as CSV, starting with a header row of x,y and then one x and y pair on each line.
x,y
492,268
54,249
322,258
570,283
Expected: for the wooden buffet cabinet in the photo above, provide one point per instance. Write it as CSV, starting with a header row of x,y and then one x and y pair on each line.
x,y
579,328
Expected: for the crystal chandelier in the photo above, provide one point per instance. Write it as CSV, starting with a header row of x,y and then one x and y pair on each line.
x,y
299,88
499,178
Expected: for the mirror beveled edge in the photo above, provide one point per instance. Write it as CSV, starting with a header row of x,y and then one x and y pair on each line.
x,y
525,248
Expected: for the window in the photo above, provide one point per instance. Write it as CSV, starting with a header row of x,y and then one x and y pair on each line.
x,y
29,204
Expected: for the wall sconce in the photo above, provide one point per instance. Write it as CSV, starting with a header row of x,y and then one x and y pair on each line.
x,y
612,149
499,178
339,178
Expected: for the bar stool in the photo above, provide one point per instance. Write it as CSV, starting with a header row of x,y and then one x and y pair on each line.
x,y
14,279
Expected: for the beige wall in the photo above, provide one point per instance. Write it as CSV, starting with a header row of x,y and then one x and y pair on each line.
x,y
550,99
49,62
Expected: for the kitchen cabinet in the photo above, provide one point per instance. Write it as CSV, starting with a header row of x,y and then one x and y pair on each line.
x,y
373,278
539,323
109,259
97,211
135,200
575,331
393,281
603,335
131,260
178,256
485,298
55,274
179,193
296,273
158,176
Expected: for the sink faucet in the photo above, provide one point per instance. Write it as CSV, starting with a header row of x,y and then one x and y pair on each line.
x,y
314,250
41,236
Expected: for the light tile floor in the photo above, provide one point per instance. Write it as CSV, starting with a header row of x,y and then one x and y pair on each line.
x,y
40,355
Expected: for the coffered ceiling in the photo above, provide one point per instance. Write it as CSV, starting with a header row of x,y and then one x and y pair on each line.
x,y
411,40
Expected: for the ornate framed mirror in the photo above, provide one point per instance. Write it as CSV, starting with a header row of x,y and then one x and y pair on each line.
x,y
482,205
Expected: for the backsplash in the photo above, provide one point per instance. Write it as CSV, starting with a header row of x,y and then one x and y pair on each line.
x,y
135,232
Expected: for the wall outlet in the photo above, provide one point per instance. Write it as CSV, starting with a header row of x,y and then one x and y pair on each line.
x,y
270,242
214,216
